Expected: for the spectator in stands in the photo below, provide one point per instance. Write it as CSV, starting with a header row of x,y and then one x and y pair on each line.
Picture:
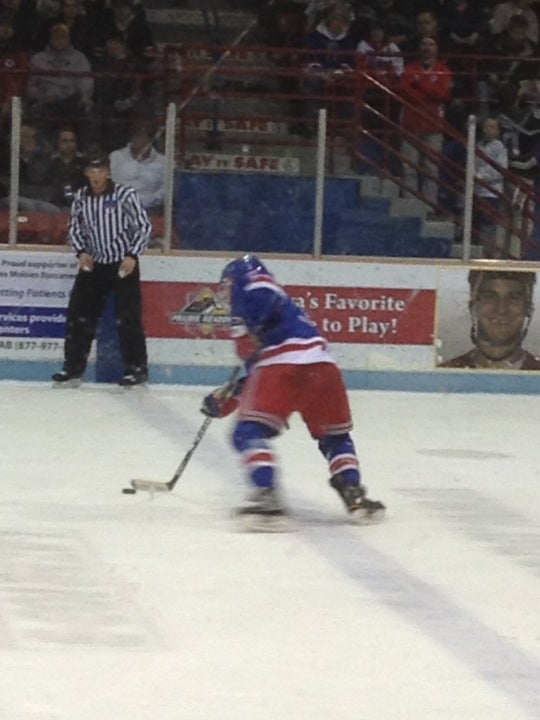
x,y
395,19
65,170
33,154
47,9
521,128
462,29
70,14
383,61
316,10
282,24
331,39
521,135
121,95
425,86
362,14
55,97
23,16
489,205
126,20
34,193
382,58
332,54
502,77
13,71
462,26
505,11
525,242
427,26
141,167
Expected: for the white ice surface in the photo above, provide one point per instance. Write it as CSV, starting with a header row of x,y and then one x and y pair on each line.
x,y
116,607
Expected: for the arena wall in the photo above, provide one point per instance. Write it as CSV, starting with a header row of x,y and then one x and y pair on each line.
x,y
390,324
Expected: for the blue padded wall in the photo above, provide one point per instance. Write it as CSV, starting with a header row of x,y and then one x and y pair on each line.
x,y
266,213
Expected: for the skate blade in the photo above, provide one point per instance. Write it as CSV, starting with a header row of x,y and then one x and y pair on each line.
x,y
364,517
68,384
151,486
256,523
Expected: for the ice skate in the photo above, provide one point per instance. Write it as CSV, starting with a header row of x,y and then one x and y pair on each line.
x,y
63,379
134,379
263,511
360,508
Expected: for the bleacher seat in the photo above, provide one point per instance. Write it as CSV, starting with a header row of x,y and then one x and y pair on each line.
x,y
36,228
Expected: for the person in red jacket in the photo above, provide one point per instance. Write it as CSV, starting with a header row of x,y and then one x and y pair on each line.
x,y
425,87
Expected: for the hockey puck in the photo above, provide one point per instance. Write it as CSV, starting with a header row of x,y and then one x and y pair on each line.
x,y
129,491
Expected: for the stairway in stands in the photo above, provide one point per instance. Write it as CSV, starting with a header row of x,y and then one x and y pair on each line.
x,y
223,22
242,213
200,21
271,206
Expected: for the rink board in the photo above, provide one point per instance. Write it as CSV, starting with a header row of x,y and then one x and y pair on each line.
x,y
389,323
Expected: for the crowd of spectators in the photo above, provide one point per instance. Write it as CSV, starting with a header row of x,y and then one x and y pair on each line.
x,y
50,51
83,70
443,60
504,36
49,175
87,61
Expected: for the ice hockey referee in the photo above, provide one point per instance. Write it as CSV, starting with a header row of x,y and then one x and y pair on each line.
x,y
109,229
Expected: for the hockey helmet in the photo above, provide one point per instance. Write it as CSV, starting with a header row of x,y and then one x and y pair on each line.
x,y
240,269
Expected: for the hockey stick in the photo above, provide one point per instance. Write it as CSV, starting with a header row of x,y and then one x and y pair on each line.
x,y
154,486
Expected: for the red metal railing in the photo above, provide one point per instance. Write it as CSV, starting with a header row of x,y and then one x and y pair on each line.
x,y
221,111
230,99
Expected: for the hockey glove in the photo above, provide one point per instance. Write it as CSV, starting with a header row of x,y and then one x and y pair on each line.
x,y
223,401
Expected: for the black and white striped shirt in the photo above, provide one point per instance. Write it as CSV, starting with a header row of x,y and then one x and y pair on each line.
x,y
109,226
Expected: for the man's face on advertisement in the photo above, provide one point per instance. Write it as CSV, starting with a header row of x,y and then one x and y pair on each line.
x,y
500,308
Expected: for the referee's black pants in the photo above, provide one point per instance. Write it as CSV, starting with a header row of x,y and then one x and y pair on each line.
x,y
86,305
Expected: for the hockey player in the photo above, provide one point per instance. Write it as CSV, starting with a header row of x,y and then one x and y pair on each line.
x,y
289,368
501,307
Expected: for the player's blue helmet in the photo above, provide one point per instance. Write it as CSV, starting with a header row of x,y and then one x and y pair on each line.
x,y
238,270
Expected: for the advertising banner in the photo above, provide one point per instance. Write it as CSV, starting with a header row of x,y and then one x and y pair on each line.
x,y
34,292
270,164
343,314
486,320
249,126
375,317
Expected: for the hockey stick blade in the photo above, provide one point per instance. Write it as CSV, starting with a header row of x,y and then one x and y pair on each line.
x,y
151,486
154,486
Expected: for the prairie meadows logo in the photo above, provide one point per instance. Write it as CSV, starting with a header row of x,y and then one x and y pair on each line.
x,y
204,311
